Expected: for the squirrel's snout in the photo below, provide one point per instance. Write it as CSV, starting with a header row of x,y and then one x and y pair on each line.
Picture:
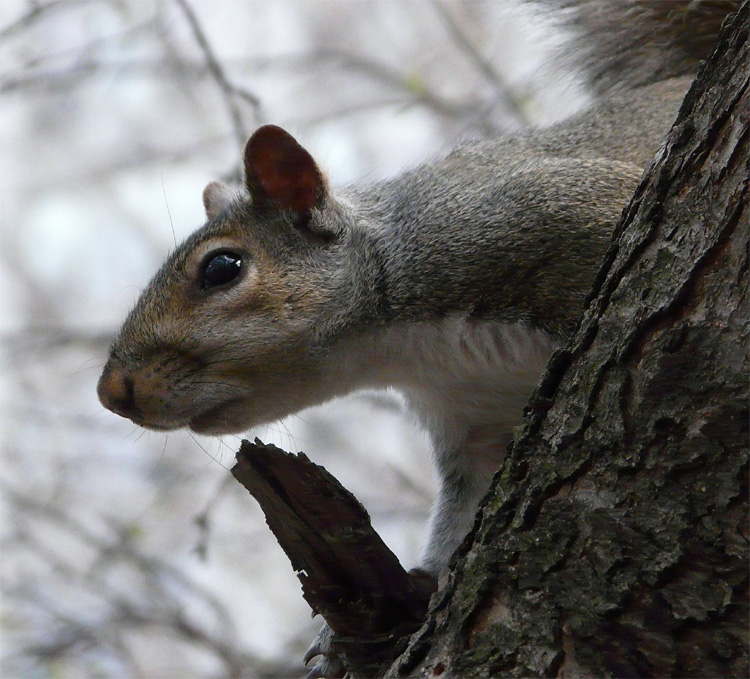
x,y
116,391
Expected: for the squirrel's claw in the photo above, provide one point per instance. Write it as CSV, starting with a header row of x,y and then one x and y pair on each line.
x,y
313,673
329,666
311,652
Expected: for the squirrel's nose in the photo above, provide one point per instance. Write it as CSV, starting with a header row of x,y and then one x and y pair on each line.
x,y
116,391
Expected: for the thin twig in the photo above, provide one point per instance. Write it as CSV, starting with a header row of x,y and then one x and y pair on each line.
x,y
504,91
32,15
231,91
418,91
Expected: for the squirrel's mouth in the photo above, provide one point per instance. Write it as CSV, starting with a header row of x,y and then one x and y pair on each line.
x,y
156,426
228,417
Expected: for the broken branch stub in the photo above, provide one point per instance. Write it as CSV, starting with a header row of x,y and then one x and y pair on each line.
x,y
347,572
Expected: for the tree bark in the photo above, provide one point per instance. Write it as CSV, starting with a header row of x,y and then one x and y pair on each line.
x,y
614,541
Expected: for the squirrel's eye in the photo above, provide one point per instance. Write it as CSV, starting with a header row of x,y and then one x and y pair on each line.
x,y
220,269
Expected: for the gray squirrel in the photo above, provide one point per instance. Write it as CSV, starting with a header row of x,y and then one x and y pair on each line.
x,y
452,283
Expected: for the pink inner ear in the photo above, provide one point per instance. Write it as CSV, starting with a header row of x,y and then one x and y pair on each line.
x,y
278,169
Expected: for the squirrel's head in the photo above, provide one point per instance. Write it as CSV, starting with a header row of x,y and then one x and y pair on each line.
x,y
231,332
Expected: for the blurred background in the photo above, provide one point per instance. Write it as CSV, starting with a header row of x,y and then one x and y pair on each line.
x,y
134,554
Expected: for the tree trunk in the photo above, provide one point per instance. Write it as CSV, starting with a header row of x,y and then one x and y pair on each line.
x,y
614,541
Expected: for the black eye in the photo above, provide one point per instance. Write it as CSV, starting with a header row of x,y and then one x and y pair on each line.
x,y
220,269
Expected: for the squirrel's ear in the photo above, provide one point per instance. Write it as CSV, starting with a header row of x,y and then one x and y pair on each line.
x,y
280,172
216,198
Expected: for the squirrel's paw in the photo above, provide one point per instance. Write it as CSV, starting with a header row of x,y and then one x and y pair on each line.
x,y
329,666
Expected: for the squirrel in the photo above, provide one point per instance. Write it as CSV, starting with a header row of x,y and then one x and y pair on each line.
x,y
452,283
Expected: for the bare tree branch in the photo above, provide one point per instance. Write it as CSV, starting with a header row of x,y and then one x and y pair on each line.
x,y
230,90
503,91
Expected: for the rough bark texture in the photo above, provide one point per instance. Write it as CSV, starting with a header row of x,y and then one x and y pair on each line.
x,y
614,541
347,572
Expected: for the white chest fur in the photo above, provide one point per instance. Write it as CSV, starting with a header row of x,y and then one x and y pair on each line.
x,y
466,381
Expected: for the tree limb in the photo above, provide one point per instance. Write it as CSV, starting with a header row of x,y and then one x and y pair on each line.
x,y
347,572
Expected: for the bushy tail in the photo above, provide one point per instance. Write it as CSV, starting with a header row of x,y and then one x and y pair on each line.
x,y
628,43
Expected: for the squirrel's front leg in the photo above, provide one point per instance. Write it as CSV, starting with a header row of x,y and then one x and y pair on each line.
x,y
462,486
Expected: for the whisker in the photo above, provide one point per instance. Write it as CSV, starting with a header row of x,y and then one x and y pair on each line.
x,y
83,367
211,457
292,442
169,213
161,457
